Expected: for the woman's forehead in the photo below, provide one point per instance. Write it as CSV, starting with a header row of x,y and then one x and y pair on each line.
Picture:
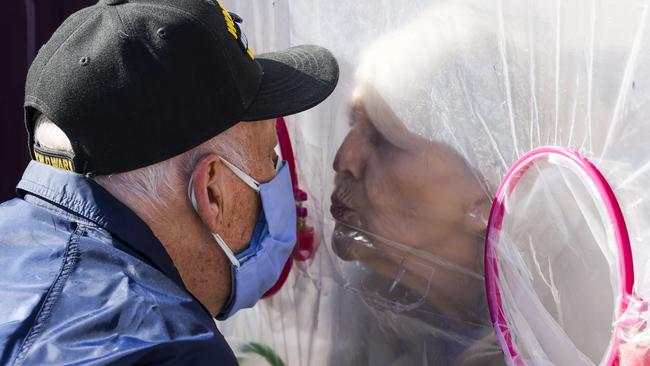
x,y
367,106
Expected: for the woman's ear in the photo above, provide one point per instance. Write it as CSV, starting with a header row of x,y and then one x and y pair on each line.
x,y
477,215
207,189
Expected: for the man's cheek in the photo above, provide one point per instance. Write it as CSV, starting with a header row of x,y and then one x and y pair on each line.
x,y
244,216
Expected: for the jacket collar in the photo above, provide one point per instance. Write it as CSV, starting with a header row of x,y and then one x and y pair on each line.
x,y
83,197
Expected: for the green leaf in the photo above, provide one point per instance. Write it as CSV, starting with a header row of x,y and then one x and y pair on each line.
x,y
265,351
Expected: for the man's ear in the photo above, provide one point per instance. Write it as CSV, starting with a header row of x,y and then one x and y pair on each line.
x,y
207,187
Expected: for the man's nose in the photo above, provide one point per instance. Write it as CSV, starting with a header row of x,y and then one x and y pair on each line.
x,y
351,156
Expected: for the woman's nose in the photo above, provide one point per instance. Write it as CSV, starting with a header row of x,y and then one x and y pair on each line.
x,y
352,155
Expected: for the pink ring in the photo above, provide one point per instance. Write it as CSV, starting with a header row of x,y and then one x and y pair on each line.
x,y
497,213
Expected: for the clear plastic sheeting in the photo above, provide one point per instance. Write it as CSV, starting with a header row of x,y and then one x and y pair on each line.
x,y
436,102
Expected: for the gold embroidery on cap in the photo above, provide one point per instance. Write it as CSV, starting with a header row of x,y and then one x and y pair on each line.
x,y
230,23
232,29
54,161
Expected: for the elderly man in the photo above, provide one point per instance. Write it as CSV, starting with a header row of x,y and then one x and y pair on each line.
x,y
150,208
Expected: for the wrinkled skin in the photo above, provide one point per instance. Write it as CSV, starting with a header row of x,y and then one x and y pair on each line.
x,y
225,205
420,195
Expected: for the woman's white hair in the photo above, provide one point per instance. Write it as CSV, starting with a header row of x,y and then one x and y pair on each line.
x,y
148,190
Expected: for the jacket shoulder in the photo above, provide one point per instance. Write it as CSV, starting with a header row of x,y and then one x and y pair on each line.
x,y
34,243
115,308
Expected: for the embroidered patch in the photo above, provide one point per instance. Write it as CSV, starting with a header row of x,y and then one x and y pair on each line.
x,y
232,23
54,158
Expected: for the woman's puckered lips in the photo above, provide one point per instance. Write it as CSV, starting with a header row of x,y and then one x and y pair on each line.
x,y
338,209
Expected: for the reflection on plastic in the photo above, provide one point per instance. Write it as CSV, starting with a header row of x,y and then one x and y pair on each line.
x,y
398,283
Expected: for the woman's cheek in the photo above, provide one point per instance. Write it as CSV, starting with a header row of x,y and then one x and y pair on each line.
x,y
384,195
391,225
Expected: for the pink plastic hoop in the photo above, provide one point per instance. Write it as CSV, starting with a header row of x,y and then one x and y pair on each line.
x,y
497,214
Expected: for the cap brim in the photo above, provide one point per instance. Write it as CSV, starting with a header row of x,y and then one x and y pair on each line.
x,y
294,80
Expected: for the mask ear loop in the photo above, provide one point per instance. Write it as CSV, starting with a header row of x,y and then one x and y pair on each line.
x,y
226,249
243,176
217,238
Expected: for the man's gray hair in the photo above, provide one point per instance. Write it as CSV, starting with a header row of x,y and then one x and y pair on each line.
x,y
150,189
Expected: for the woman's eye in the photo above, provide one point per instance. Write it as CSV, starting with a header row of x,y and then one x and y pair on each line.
x,y
378,140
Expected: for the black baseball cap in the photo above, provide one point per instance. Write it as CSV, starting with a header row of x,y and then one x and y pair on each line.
x,y
136,82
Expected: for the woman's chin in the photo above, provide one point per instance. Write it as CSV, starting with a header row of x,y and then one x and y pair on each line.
x,y
347,239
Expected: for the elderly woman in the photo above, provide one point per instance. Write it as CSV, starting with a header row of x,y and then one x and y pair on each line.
x,y
410,209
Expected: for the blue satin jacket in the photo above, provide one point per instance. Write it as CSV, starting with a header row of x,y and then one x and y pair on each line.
x,y
84,281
